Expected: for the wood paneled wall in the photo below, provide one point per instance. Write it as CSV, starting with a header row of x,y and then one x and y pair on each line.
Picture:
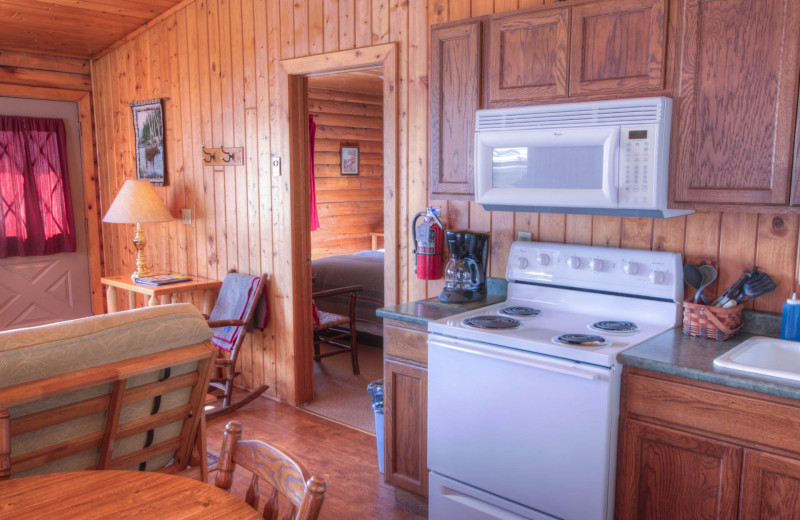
x,y
215,62
350,207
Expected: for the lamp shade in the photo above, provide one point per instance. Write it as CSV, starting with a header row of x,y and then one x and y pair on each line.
x,y
137,203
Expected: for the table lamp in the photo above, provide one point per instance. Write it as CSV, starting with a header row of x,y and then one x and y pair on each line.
x,y
138,203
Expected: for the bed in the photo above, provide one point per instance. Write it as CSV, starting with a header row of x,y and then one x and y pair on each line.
x,y
362,268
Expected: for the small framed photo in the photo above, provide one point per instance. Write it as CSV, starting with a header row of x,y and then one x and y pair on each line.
x,y
148,125
349,160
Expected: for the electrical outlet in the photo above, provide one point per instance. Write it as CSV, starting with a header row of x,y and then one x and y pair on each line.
x,y
186,216
524,235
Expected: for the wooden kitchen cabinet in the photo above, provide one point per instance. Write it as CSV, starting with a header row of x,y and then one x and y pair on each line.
x,y
405,376
528,56
455,95
618,46
735,109
690,449
608,47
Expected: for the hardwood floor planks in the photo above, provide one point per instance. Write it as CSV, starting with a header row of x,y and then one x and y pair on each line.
x,y
346,457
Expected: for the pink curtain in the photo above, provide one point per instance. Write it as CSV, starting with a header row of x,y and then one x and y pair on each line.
x,y
35,201
312,131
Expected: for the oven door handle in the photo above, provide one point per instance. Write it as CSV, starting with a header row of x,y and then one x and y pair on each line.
x,y
550,364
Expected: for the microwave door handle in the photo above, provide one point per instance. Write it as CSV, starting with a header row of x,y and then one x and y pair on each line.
x,y
612,175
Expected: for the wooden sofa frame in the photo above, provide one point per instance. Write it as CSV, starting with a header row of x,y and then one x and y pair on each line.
x,y
190,438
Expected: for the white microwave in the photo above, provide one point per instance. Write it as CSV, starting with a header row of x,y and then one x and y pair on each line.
x,y
597,157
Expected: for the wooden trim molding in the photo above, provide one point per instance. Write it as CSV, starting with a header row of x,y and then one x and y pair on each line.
x,y
291,224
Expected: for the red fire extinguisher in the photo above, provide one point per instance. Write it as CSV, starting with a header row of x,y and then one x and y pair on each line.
x,y
428,245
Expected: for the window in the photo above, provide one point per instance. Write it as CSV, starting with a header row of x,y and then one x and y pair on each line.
x,y
35,197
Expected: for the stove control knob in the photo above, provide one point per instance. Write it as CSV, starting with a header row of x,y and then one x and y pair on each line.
x,y
522,262
574,262
657,277
543,259
630,268
595,264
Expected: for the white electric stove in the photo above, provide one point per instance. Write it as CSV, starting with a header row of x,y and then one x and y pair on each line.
x,y
523,395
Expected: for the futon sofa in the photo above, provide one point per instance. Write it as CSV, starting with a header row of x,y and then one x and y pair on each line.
x,y
116,391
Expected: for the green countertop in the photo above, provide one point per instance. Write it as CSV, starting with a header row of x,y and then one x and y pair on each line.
x,y
678,354
430,309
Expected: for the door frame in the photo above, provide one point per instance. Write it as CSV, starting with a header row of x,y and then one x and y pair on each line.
x,y
291,204
90,191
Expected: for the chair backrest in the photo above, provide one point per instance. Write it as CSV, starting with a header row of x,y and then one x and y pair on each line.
x,y
87,393
240,300
286,476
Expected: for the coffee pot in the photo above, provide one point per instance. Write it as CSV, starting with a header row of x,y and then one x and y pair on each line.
x,y
465,273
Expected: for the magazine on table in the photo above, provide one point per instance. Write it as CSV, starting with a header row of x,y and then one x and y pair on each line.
x,y
162,279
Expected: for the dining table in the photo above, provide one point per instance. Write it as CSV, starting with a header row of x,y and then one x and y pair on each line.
x,y
113,494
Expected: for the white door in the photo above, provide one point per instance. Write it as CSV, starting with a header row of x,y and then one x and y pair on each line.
x,y
45,289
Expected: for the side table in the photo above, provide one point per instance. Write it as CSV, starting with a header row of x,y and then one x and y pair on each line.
x,y
160,294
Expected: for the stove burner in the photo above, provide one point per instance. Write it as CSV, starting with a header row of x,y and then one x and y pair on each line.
x,y
491,322
615,326
519,310
581,340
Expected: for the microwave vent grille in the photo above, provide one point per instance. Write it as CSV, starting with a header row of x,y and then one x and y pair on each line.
x,y
563,116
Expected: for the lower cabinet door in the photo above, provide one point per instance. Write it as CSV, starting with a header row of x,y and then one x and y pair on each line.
x,y
406,412
665,474
770,487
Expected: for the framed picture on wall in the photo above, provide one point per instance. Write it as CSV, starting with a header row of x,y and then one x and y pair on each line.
x,y
349,160
148,125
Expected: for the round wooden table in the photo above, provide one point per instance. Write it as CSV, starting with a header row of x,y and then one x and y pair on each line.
x,y
117,495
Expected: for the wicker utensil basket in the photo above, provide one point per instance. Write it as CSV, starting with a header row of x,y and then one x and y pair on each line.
x,y
706,321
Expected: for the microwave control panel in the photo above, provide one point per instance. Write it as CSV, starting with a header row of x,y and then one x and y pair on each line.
x,y
637,164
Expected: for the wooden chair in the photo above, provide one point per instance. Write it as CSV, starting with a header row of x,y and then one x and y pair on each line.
x,y
330,329
286,476
235,307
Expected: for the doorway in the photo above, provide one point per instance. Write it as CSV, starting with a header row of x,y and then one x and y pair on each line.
x,y
346,135
46,289
294,144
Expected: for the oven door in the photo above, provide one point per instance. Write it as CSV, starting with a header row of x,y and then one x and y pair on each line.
x,y
536,431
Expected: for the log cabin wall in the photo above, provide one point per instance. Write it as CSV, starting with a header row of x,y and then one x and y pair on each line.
x,y
215,62
350,207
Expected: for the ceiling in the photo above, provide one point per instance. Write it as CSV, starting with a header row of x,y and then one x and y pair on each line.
x,y
369,81
80,28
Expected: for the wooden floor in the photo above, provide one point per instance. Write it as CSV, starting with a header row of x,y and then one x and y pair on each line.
x,y
346,457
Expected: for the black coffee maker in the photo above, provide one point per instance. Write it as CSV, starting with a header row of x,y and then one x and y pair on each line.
x,y
465,273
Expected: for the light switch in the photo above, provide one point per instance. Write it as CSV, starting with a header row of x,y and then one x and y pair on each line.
x,y
186,216
276,166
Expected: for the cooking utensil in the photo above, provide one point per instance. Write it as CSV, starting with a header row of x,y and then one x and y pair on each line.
x,y
758,284
709,274
731,292
693,278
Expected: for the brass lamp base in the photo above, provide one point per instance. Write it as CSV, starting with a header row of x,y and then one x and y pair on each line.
x,y
141,263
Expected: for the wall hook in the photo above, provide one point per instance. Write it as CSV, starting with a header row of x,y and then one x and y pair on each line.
x,y
228,155
207,156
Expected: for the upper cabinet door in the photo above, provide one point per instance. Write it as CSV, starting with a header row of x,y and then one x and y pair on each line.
x,y
455,95
737,101
528,56
618,46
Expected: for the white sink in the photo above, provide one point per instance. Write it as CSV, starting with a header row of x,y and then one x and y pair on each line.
x,y
764,356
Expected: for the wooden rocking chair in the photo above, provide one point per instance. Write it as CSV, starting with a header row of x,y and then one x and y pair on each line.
x,y
335,329
231,319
